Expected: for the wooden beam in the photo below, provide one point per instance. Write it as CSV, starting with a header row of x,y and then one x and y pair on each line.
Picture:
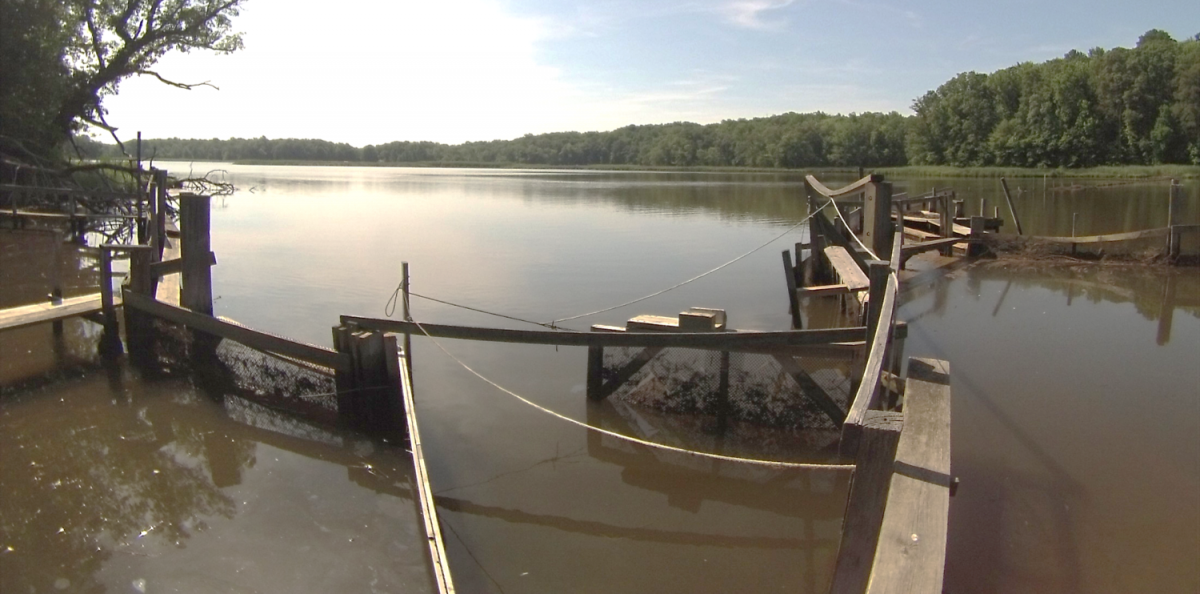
x,y
194,219
729,341
234,331
433,528
1011,210
853,188
812,389
868,497
28,315
823,291
911,554
866,397
1100,238
847,269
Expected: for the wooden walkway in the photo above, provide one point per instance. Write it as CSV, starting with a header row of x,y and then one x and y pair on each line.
x,y
40,313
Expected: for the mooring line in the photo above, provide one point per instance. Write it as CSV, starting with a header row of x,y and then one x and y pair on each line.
x,y
694,278
755,461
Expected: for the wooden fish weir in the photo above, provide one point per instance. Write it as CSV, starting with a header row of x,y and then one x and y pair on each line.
x,y
170,280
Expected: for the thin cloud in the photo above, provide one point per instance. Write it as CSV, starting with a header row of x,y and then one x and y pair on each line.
x,y
752,14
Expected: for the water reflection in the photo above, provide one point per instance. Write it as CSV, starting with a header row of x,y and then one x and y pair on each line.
x,y
108,477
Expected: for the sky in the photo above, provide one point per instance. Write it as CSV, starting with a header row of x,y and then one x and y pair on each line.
x,y
374,71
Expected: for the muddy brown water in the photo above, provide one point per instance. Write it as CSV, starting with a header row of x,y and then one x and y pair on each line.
x,y
1075,403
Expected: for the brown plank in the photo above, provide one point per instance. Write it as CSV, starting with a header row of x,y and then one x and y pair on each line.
x,y
846,269
853,188
866,397
823,291
868,497
812,389
28,315
728,341
911,554
234,331
1102,238
433,527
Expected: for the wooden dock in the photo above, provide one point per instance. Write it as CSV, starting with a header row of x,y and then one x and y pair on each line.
x,y
41,313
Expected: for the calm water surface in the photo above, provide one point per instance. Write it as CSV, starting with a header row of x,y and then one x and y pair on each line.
x,y
1075,403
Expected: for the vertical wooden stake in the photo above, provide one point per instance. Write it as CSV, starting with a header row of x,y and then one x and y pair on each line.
x,y
798,269
595,372
1173,207
1011,210
404,286
161,214
793,301
877,219
975,248
195,247
947,223
723,394
139,328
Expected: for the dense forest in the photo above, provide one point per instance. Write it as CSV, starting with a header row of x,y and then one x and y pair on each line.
x,y
1105,107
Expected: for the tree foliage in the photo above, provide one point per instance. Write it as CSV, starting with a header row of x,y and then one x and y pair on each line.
x,y
61,58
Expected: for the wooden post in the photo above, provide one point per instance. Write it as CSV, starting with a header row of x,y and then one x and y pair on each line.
x,y
793,300
343,380
1011,210
798,269
595,375
1166,311
877,219
195,244
404,280
723,394
983,207
817,259
110,340
947,223
1173,207
160,210
877,272
869,488
975,248
139,328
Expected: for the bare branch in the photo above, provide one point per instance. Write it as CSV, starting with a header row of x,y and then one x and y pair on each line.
x,y
179,85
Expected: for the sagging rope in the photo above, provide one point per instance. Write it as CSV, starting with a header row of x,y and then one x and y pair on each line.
x,y
390,307
694,278
643,442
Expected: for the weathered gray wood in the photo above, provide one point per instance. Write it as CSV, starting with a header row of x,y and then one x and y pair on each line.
x,y
28,315
975,248
1174,206
846,269
106,288
194,218
433,531
866,396
877,219
911,554
343,377
946,223
878,271
823,291
1011,210
729,341
853,188
168,284
812,389
865,505
1101,238
790,279
234,331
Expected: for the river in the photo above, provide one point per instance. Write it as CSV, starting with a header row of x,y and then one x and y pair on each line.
x,y
1075,400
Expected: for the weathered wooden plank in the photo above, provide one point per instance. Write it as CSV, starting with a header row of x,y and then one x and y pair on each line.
x,y
933,244
194,218
625,372
433,528
846,269
789,277
234,331
652,323
28,315
729,341
853,188
823,291
865,506
1011,210
866,397
911,554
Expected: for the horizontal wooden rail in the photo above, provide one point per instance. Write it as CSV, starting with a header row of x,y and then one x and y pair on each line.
x,y
853,188
726,341
233,331
916,248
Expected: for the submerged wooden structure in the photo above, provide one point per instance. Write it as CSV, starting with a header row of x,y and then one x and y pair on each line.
x,y
895,429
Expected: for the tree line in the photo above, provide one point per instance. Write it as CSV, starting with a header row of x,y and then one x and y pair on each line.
x,y
1105,107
